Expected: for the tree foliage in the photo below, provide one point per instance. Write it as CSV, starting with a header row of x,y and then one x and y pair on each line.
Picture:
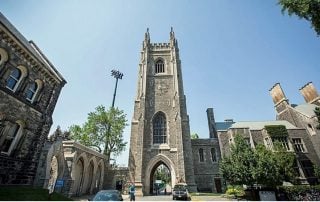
x,y
261,166
102,131
306,9
194,136
163,173
237,168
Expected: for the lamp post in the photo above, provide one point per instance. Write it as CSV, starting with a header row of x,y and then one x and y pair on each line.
x,y
118,75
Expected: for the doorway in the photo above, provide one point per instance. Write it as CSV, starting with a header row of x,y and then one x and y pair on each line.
x,y
160,179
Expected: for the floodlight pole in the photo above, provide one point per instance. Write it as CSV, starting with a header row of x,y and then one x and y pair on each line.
x,y
118,75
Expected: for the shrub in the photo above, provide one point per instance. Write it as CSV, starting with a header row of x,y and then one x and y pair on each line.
x,y
302,193
235,191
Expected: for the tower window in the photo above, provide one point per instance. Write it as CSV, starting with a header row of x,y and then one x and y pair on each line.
x,y
159,129
201,156
159,66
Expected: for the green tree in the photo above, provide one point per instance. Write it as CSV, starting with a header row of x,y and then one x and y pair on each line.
x,y
102,131
266,170
260,166
194,136
316,170
237,167
306,9
285,161
163,173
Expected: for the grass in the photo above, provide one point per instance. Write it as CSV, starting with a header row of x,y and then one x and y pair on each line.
x,y
29,193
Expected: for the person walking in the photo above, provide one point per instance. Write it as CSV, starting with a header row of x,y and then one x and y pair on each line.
x,y
132,191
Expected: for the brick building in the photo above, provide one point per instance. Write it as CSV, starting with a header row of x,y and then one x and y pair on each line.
x,y
29,88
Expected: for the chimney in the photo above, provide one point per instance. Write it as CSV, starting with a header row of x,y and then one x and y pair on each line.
x,y
277,94
279,99
211,123
310,94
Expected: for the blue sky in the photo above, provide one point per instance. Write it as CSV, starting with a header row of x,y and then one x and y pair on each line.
x,y
232,52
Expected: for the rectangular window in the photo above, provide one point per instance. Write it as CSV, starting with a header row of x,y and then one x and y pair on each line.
x,y
283,141
307,167
213,155
268,143
201,157
298,145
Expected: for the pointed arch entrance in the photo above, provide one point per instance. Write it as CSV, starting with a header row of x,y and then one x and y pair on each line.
x,y
157,162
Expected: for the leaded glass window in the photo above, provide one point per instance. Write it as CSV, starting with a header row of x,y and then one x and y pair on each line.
x,y
159,129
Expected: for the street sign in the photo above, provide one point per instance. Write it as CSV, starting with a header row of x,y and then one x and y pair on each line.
x,y
59,183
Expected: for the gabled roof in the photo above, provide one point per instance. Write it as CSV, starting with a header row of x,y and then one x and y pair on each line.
x,y
306,109
259,125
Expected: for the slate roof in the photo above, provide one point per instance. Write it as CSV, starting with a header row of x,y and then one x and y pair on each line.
x,y
223,125
306,109
259,125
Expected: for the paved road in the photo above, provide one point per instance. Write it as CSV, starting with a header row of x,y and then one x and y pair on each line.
x,y
150,198
159,198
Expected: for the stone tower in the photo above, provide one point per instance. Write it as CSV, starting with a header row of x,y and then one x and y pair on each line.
x,y
160,132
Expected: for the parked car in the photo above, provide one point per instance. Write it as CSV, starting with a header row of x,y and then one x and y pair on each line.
x,y
108,195
180,191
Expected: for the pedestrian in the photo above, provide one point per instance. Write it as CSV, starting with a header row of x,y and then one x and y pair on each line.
x,y
132,191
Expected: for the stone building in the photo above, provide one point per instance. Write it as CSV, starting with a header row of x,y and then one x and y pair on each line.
x,y
300,122
160,133
70,168
206,156
29,88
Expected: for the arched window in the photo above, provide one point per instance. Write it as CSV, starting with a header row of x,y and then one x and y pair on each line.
x,y
201,156
14,79
159,66
31,92
10,138
3,56
159,129
213,155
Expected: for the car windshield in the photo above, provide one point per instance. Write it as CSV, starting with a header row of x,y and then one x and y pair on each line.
x,y
106,196
179,188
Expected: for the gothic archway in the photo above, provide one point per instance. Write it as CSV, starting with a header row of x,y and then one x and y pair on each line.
x,y
53,174
54,166
98,177
160,179
159,160
90,177
79,176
